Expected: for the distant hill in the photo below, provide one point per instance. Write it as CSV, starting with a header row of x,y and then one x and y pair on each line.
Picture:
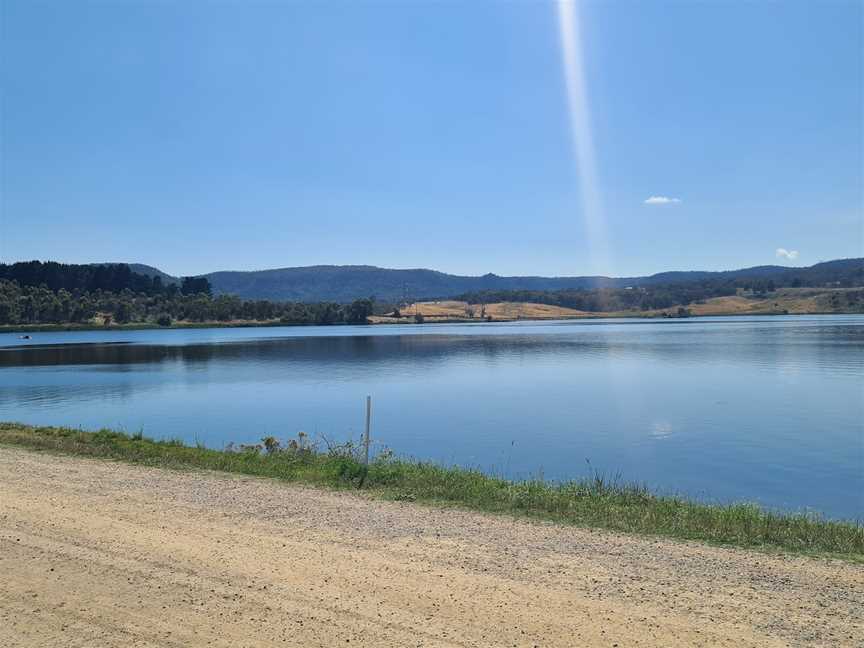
x,y
150,271
345,283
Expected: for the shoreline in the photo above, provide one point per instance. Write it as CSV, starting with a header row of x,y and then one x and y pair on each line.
x,y
595,502
148,326
104,553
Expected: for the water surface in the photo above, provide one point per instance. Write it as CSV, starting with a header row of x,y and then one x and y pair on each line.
x,y
764,409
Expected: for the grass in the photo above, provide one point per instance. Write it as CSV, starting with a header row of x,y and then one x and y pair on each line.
x,y
592,502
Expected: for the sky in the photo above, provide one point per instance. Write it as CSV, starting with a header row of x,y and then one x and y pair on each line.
x,y
619,138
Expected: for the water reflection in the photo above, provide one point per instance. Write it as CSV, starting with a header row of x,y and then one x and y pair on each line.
x,y
815,347
762,409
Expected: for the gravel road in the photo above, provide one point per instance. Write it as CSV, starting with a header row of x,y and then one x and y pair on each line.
x,y
95,553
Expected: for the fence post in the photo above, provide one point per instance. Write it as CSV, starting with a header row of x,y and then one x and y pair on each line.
x,y
368,421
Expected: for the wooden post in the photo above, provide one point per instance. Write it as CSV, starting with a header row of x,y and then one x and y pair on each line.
x,y
368,420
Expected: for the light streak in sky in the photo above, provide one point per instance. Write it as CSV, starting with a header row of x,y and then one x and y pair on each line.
x,y
573,64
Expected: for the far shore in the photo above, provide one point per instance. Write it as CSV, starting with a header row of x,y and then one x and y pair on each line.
x,y
375,321
136,326
436,315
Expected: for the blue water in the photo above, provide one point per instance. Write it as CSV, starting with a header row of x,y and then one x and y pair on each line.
x,y
762,409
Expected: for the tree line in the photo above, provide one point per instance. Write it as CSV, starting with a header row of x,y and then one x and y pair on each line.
x,y
41,305
644,298
111,277
37,292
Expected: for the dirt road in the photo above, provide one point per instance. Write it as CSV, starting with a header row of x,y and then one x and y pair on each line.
x,y
102,554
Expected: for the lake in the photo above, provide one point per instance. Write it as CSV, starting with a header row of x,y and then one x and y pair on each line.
x,y
761,409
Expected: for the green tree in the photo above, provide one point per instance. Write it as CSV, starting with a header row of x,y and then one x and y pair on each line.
x,y
195,286
359,311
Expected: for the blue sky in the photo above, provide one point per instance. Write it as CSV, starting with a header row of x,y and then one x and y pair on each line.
x,y
199,136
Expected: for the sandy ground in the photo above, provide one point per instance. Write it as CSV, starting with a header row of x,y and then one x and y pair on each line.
x,y
103,554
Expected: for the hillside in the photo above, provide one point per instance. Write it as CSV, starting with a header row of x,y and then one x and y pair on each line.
x,y
797,301
346,283
150,271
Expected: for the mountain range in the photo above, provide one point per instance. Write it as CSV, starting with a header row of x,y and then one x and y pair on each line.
x,y
345,283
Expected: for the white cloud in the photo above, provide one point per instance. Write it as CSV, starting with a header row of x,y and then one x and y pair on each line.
x,y
783,253
661,200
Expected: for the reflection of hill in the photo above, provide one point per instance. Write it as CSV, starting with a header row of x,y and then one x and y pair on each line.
x,y
318,350
685,342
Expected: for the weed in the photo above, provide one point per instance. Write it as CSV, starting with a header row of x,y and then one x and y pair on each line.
x,y
597,501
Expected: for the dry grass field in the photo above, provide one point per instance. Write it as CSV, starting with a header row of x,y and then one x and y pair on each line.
x,y
434,311
785,300
795,301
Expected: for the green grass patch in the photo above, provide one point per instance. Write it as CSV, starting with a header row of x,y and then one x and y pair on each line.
x,y
592,502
